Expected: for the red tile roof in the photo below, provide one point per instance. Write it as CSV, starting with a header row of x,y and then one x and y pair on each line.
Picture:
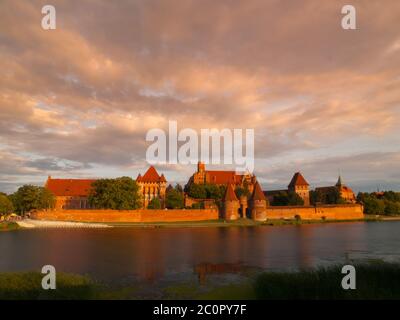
x,y
69,187
298,180
151,175
230,194
258,194
224,177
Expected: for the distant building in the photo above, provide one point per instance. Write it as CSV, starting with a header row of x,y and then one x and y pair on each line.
x,y
344,191
74,193
297,185
152,185
300,186
70,193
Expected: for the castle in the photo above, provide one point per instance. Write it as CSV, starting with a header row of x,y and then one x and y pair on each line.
x,y
74,193
254,203
221,177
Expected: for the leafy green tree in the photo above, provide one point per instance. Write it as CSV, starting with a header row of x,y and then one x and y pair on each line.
x,y
118,194
374,206
197,191
295,199
316,196
29,197
154,204
214,191
391,196
392,208
174,198
6,205
242,191
285,198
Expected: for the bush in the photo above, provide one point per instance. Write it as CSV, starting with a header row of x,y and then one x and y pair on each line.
x,y
374,281
154,204
174,199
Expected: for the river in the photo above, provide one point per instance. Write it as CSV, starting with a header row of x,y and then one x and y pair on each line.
x,y
170,254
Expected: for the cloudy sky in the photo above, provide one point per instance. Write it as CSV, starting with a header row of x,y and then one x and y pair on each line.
x,y
77,101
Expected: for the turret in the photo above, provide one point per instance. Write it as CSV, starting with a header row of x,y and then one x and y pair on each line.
x,y
258,204
300,186
231,204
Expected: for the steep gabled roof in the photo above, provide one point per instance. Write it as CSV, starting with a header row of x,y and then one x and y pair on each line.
x,y
230,194
298,180
224,177
258,194
151,175
69,187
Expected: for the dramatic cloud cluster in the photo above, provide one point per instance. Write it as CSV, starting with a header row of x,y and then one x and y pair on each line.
x,y
77,101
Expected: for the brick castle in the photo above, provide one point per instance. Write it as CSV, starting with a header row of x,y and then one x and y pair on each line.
x,y
72,194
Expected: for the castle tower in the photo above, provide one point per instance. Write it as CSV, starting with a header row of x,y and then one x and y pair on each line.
x,y
300,186
152,185
231,204
201,167
339,182
258,204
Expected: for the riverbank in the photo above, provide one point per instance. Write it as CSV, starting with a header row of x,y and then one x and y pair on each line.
x,y
375,281
31,223
235,223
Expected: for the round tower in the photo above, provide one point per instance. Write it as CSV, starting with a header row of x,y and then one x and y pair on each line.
x,y
258,204
231,204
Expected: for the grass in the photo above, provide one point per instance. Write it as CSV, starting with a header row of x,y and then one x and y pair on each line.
x,y
223,223
8,226
375,280
27,286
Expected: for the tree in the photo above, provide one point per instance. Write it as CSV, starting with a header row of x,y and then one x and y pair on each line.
x,y
242,191
174,198
294,199
392,208
316,196
6,206
154,204
197,191
29,197
117,194
287,198
374,206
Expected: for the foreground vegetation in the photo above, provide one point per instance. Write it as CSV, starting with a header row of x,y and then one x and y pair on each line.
x,y
8,226
374,281
377,280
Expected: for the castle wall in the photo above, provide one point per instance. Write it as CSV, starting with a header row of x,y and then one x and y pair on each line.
x,y
329,212
127,215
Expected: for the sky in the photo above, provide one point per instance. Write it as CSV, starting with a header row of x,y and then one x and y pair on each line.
x,y
77,102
